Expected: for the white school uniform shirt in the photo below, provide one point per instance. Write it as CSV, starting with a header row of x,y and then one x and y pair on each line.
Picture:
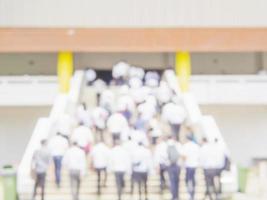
x,y
119,160
155,126
190,151
142,159
84,116
117,123
107,99
160,154
82,135
147,110
99,85
211,156
130,146
173,113
120,70
65,124
137,72
90,75
100,116
100,155
75,159
163,93
126,102
139,136
58,145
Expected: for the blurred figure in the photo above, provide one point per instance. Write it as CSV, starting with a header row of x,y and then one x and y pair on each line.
x,y
155,130
173,152
58,145
83,115
220,162
107,99
100,116
163,93
190,152
90,76
161,161
120,165
152,78
208,157
40,163
130,147
100,156
142,165
83,136
117,125
174,114
99,86
120,72
75,162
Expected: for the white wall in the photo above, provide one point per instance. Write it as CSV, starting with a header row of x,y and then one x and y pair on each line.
x,y
244,129
202,63
132,13
16,127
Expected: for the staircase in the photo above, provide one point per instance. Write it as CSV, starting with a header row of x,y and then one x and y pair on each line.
x,y
89,188
79,92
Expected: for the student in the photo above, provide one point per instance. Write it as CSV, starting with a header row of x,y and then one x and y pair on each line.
x,y
100,116
161,161
75,162
100,155
40,163
208,156
190,152
117,125
58,145
142,165
174,114
120,165
173,153
83,136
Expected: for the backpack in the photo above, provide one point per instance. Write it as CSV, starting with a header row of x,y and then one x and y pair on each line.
x,y
173,154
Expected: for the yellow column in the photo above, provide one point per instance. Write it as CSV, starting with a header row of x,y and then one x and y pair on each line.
x,y
183,69
65,70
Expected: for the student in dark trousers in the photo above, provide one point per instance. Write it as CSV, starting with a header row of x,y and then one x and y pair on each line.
x,y
173,168
142,164
58,146
119,164
40,163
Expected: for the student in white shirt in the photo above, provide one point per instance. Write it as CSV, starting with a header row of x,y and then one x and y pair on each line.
x,y
120,72
190,152
161,161
120,164
142,165
209,161
117,125
100,156
99,117
155,130
83,115
107,99
75,162
175,115
83,136
173,152
90,76
58,145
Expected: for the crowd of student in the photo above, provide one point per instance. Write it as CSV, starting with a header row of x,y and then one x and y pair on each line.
x,y
134,130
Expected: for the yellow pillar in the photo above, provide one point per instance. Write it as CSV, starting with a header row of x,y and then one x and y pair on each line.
x,y
183,69
65,70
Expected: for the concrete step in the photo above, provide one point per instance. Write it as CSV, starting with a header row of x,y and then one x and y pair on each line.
x,y
165,196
